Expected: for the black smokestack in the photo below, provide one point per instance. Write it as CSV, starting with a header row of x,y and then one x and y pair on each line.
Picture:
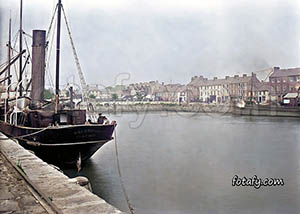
x,y
38,67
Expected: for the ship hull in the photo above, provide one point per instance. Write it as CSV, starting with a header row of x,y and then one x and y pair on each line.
x,y
61,145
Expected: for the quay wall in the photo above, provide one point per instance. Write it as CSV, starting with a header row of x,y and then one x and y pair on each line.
x,y
171,107
274,111
255,110
67,196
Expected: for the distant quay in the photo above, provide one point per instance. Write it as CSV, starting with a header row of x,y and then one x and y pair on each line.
x,y
254,110
120,107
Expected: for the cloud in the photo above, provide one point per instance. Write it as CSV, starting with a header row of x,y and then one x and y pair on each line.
x,y
172,40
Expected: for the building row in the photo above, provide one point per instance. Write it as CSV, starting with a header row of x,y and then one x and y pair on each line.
x,y
279,83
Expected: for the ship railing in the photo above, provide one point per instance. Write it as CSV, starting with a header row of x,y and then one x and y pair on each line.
x,y
6,100
17,97
14,114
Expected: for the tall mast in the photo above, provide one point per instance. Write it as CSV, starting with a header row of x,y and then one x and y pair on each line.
x,y
9,56
21,47
57,52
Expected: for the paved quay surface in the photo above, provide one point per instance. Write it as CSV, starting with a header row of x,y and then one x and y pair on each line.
x,y
15,194
42,189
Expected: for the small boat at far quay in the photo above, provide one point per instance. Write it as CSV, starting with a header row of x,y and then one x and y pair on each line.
x,y
54,130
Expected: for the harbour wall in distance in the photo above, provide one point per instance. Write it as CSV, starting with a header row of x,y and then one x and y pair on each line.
x,y
55,188
255,110
152,107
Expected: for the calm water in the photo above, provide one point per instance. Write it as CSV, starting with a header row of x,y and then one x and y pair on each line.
x,y
184,163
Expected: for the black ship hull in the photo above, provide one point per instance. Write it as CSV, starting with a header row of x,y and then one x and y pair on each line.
x,y
61,145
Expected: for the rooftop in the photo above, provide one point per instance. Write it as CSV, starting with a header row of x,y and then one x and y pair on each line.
x,y
285,72
200,81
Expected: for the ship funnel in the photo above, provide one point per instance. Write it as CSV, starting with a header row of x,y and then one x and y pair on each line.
x,y
38,67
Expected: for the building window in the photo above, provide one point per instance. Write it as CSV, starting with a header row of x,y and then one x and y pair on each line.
x,y
292,79
278,88
284,87
273,89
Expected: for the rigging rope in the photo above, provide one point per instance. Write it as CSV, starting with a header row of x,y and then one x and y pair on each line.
x,y
80,74
14,49
51,22
16,39
26,72
49,51
3,64
120,175
6,62
28,49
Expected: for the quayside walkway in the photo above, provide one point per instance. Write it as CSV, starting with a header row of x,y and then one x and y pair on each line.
x,y
29,185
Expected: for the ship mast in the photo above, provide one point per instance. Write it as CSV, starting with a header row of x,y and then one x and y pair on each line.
x,y
20,47
9,57
57,54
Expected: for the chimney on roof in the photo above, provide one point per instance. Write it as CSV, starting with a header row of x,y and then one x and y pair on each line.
x,y
244,75
215,78
226,77
236,76
276,68
201,77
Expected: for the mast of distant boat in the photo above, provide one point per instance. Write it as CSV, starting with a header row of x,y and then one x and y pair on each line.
x,y
57,55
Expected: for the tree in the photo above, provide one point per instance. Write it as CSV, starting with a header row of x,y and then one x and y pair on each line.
x,y
92,96
48,94
114,97
139,96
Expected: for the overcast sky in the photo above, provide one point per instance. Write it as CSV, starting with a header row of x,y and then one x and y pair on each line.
x,y
168,40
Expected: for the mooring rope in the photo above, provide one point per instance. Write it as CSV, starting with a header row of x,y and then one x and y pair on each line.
x,y
26,135
33,133
120,175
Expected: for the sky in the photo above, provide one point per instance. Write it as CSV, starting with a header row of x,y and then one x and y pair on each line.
x,y
166,40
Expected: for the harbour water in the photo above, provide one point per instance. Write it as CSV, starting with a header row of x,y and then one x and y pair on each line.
x,y
185,162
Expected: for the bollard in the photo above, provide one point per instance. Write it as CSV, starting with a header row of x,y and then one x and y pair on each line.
x,y
82,181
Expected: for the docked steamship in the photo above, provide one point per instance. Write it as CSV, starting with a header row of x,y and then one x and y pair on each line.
x,y
55,133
